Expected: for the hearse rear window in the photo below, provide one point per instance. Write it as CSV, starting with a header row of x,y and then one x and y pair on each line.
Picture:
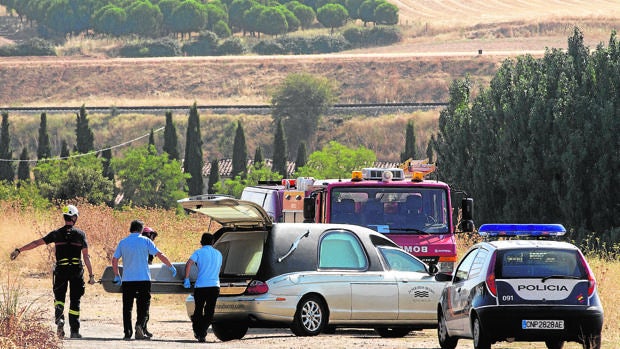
x,y
538,263
241,252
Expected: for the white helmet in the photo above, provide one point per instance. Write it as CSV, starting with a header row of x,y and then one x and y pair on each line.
x,y
70,211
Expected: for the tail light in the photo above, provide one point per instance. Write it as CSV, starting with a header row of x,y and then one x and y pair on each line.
x,y
257,287
591,279
490,280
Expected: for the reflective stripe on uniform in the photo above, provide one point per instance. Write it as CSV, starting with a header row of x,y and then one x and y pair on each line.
x,y
74,312
59,303
64,261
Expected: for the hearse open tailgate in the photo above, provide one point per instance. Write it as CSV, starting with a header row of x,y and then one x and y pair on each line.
x,y
161,279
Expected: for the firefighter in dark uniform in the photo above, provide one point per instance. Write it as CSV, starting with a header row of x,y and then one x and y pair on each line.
x,y
71,248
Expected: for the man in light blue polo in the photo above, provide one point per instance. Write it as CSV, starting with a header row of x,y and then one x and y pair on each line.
x,y
136,281
208,260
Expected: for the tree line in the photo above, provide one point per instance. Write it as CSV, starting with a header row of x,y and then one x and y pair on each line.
x,y
541,143
142,176
158,18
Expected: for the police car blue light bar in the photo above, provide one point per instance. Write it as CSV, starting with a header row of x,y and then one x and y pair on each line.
x,y
495,230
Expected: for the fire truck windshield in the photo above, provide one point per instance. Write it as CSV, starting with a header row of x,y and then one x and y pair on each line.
x,y
393,210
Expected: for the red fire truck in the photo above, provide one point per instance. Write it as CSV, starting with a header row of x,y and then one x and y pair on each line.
x,y
414,212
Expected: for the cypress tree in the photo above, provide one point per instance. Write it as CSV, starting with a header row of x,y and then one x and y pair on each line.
x,y
214,175
279,150
302,155
23,169
64,149
84,135
107,171
152,138
193,162
170,138
429,149
44,150
240,153
259,160
7,172
409,143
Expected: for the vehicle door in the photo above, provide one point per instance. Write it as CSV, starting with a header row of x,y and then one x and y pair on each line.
x,y
418,291
372,295
458,294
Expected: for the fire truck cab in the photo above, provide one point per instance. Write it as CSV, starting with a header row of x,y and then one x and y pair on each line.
x,y
414,212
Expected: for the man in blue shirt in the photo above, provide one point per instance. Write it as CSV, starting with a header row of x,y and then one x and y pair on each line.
x,y
136,281
208,261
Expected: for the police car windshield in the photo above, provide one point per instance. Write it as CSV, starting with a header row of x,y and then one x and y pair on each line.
x,y
538,263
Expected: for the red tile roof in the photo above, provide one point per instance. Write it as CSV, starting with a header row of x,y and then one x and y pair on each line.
x,y
225,166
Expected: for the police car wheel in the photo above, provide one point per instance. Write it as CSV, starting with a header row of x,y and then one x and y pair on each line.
x,y
592,341
480,339
445,341
554,344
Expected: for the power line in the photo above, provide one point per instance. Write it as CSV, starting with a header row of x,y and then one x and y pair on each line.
x,y
85,154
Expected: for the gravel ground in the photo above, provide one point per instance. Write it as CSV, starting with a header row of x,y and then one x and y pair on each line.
x,y
101,319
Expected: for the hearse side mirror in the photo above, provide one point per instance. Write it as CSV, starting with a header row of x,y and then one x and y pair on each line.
x,y
433,269
443,277
467,215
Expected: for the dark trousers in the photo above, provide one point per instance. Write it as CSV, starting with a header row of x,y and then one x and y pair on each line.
x,y
141,292
204,299
71,278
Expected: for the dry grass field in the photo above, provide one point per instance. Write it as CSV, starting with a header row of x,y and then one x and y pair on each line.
x,y
441,43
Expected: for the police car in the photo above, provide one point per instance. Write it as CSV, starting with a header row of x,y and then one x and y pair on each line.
x,y
526,287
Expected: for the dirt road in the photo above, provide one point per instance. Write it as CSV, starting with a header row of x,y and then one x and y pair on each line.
x,y
101,319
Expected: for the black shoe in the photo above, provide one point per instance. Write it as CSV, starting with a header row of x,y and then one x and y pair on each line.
x,y
140,333
127,337
60,330
147,333
202,339
76,335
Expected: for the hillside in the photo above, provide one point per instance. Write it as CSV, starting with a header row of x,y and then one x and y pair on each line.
x,y
443,41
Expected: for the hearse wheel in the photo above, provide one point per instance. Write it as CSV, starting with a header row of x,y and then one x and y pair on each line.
x,y
310,317
227,331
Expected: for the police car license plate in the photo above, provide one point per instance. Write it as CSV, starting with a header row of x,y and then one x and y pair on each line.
x,y
542,324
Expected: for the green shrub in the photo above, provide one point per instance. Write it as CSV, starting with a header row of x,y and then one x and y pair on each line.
x,y
26,194
384,35
31,47
205,44
231,46
355,35
295,44
221,29
328,44
268,47
165,47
